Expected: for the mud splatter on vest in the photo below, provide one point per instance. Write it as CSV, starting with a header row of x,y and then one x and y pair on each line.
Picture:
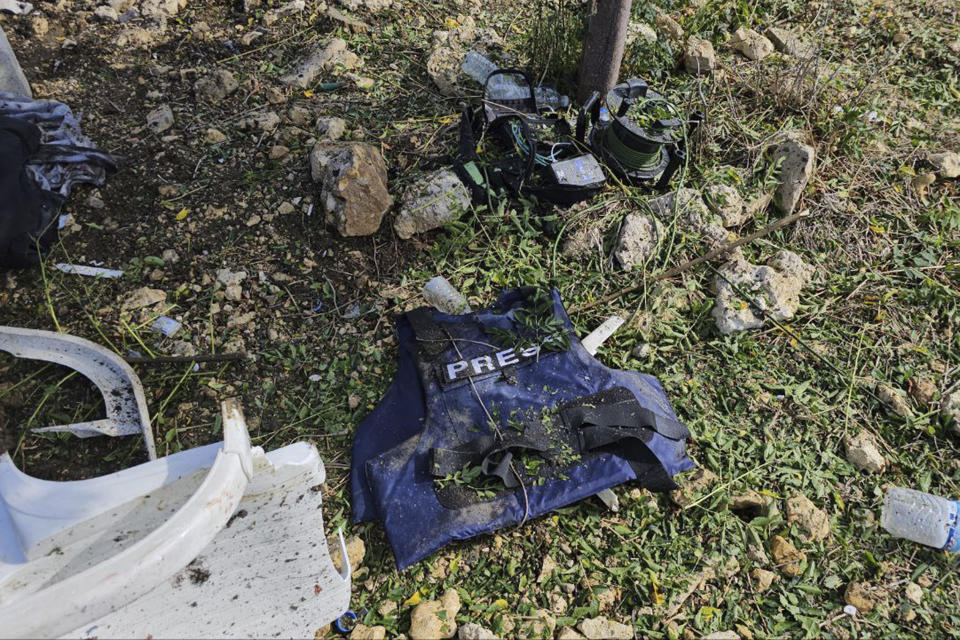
x,y
499,416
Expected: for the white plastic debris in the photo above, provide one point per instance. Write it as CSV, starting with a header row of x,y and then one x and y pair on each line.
x,y
15,7
218,541
850,610
85,270
598,336
166,325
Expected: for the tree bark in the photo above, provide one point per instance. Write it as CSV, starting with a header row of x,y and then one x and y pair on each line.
x,y
603,48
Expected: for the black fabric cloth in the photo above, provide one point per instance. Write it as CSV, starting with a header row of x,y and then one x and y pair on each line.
x,y
27,212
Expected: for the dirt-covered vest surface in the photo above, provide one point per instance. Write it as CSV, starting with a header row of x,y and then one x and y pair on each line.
x,y
499,416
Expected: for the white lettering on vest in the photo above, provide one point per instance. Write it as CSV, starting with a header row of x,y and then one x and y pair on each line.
x,y
483,362
503,355
454,368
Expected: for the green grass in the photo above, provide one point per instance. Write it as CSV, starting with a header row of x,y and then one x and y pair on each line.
x,y
767,415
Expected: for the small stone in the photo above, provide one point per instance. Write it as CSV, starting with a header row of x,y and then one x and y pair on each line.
x,y
170,256
692,486
443,67
143,297
335,55
721,635
788,43
950,410
434,619
726,202
106,14
431,202
894,400
362,82
215,86
39,26
278,152
946,164
776,293
348,22
363,632
286,208
250,37
94,201
569,633
353,184
751,44
160,119
914,593
640,31
607,599
558,604
233,292
810,518
699,57
266,120
547,567
863,453
473,631
214,136
669,27
253,220
796,168
541,625
857,595
762,579
583,242
331,128
639,238
227,277
601,628
923,390
787,557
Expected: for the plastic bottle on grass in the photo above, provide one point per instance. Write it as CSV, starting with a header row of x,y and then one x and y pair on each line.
x,y
444,297
506,87
922,518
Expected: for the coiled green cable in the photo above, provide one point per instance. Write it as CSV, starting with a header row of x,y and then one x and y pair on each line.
x,y
630,158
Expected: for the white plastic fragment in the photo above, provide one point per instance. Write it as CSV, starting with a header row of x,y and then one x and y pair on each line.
x,y
85,270
850,610
218,541
598,336
15,7
166,325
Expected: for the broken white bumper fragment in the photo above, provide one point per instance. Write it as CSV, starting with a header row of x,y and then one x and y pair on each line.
x,y
218,541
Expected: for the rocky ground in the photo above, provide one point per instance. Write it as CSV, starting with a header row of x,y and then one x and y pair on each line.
x,y
283,194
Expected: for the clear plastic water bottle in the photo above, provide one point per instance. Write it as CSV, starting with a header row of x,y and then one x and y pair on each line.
x,y
922,518
505,87
442,296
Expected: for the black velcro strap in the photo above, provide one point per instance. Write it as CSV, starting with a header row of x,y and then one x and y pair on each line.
x,y
603,415
493,457
430,337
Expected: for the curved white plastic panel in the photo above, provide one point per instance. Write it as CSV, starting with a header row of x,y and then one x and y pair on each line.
x,y
217,541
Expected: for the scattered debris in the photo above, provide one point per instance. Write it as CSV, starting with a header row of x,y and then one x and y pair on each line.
x,y
857,595
547,567
863,452
335,55
166,325
751,44
432,201
353,185
787,557
914,593
775,292
435,619
443,296
349,23
796,168
85,270
699,57
639,238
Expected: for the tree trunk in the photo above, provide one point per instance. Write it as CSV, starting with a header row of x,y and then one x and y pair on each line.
x,y
603,48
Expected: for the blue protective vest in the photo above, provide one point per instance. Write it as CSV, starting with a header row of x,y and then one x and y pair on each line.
x,y
429,463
